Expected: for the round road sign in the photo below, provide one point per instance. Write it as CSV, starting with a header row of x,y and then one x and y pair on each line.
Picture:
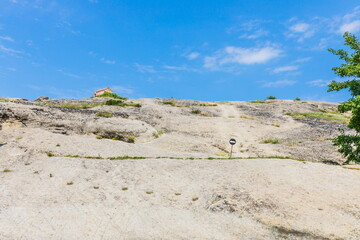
x,y
232,141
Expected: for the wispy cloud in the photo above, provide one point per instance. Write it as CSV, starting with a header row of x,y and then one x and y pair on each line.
x,y
251,29
180,68
319,83
107,61
193,55
350,22
9,51
300,31
102,59
68,74
301,60
353,27
145,68
7,38
279,83
240,56
285,69
256,34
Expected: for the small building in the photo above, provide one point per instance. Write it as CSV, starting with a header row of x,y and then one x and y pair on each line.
x,y
102,91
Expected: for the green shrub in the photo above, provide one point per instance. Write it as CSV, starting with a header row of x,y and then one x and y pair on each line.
x,y
7,170
271,97
112,95
349,145
50,154
114,102
297,99
130,139
195,111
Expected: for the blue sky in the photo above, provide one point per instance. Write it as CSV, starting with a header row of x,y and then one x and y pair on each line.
x,y
193,49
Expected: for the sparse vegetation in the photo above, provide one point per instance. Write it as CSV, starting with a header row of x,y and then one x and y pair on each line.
x,y
36,172
250,118
99,137
27,164
3,99
96,187
121,103
124,188
58,145
51,175
7,170
207,105
50,154
158,134
260,101
72,156
130,139
338,117
177,194
171,103
125,157
112,95
297,99
270,141
70,183
105,114
276,124
195,199
149,192
73,105
195,111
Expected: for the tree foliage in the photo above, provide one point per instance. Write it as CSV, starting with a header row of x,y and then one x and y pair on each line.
x,y
349,145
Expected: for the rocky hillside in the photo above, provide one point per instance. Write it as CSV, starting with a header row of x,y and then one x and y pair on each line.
x,y
183,128
159,169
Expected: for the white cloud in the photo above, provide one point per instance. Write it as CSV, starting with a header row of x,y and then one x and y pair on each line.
x,y
7,38
300,60
145,68
255,34
9,51
181,68
319,83
107,61
300,31
279,83
285,69
193,55
352,27
241,56
300,27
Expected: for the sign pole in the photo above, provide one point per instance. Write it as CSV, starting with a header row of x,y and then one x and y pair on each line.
x,y
232,142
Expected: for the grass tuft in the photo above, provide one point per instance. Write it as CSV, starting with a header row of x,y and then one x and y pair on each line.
x,y
270,141
105,114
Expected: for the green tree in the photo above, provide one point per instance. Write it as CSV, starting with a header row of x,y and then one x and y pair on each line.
x,y
349,145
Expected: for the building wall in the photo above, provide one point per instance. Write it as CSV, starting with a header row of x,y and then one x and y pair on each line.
x,y
97,94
